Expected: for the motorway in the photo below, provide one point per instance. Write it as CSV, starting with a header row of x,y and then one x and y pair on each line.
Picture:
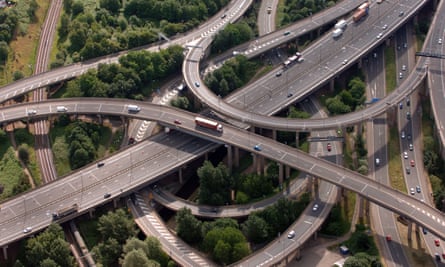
x,y
123,173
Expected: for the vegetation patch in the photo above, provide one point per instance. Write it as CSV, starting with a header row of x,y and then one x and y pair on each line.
x,y
395,167
390,69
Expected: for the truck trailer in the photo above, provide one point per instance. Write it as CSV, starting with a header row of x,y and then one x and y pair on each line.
x,y
208,124
361,12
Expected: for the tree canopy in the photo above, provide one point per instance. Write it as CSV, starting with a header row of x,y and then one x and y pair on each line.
x,y
215,184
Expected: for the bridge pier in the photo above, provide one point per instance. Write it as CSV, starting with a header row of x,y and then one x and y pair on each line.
x,y
287,172
115,202
280,174
236,155
5,252
297,139
274,134
181,178
90,213
360,207
410,230
229,157
331,85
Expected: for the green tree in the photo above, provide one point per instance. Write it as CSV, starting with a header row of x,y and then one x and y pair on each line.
x,y
24,153
107,252
155,251
111,5
118,225
187,226
50,244
215,184
4,51
255,228
136,257
222,252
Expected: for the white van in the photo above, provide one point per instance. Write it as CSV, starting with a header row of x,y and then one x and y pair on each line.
x,y
341,24
337,33
61,109
133,108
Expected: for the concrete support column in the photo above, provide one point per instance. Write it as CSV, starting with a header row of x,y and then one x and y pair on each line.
x,y
310,183
410,230
298,254
287,172
206,156
280,173
90,213
361,209
236,159
181,179
259,165
229,158
5,252
315,235
274,134
115,202
297,139
255,161
331,85
316,183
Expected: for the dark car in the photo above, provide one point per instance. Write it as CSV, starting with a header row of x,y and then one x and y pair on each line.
x,y
100,164
107,195
329,147
257,148
178,122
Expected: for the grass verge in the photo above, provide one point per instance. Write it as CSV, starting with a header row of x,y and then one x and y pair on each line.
x,y
390,69
395,167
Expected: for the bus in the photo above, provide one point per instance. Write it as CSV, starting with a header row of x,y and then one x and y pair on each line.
x,y
65,212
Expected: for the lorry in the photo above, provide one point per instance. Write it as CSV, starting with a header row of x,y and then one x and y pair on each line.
x,y
341,24
293,59
209,124
361,12
337,33
133,108
65,212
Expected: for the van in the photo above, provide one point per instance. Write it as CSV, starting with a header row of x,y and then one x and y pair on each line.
x,y
133,108
341,24
61,109
337,33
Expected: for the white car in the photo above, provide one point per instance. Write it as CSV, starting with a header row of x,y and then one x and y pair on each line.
x,y
32,112
405,155
404,67
385,27
315,207
411,191
440,41
27,229
291,234
379,35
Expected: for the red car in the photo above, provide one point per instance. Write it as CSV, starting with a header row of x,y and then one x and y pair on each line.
x,y
388,238
437,242
329,147
412,163
178,122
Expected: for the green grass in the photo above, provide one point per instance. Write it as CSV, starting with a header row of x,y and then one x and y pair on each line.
x,y
10,172
395,167
104,142
304,146
390,68
89,233
23,136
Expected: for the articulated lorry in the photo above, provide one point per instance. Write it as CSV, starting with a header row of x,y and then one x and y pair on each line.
x,y
208,124
362,11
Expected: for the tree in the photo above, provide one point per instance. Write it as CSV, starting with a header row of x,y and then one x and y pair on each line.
x,y
155,251
222,252
50,244
187,226
111,5
117,225
24,153
136,257
255,228
107,252
215,184
4,51
181,102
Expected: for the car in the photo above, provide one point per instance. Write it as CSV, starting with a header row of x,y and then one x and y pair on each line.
x,y
374,55
107,195
315,207
279,73
379,35
411,147
197,84
437,242
412,163
437,256
344,62
32,112
398,47
388,238
257,147
27,229
440,41
385,27
424,231
400,75
408,102
291,234
408,170
269,9
377,161
403,135
290,95
100,164
418,190
401,105
408,136
131,141
223,16
329,147
405,45
178,122
401,13
408,115
286,33
404,67
379,1
405,155
411,191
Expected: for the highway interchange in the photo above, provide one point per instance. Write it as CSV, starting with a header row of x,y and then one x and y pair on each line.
x,y
119,109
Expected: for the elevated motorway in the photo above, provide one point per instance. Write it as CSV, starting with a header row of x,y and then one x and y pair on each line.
x,y
128,170
271,93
